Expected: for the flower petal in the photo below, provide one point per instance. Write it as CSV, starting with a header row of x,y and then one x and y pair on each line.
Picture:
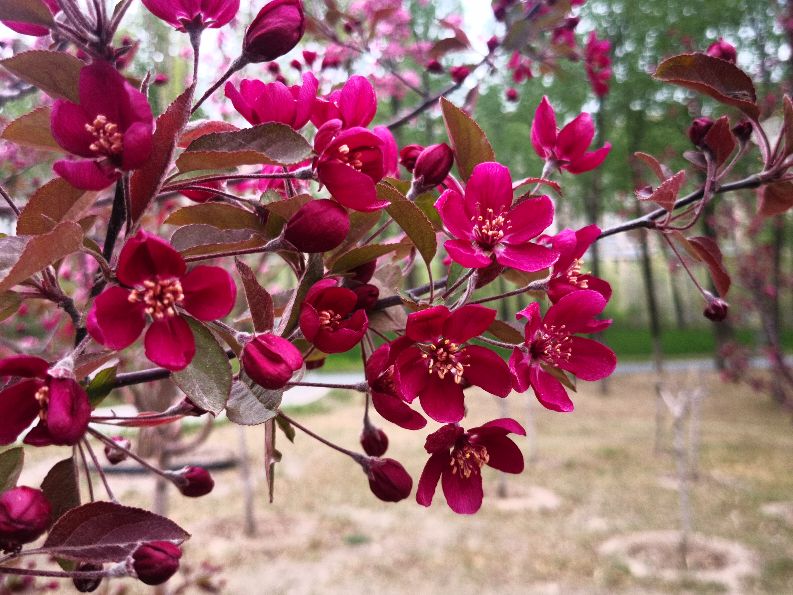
x,y
576,310
467,254
443,400
575,138
504,453
351,188
543,129
427,325
85,174
68,411
485,368
170,343
468,322
589,161
528,220
138,143
520,366
115,322
18,409
451,208
410,374
397,411
67,123
428,482
589,359
23,366
357,102
489,187
506,425
463,494
528,257
549,391
146,257
209,292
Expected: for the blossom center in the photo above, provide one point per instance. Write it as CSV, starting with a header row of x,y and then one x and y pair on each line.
x,y
443,357
108,139
489,229
159,297
329,319
350,157
574,275
468,459
42,397
553,344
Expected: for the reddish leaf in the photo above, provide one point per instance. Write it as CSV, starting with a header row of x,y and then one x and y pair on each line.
x,y
252,405
146,182
313,273
55,73
720,140
361,255
61,488
775,199
505,332
444,46
26,11
710,253
545,182
411,219
469,142
32,130
717,78
260,302
108,532
217,214
195,130
205,240
54,202
666,194
788,125
661,171
145,419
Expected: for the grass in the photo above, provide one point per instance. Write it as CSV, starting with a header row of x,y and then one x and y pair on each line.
x,y
325,533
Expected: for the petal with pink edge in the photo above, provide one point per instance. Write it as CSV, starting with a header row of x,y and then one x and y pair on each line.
x,y
520,366
575,138
170,343
463,494
549,391
589,161
209,292
485,369
468,322
543,129
114,321
430,476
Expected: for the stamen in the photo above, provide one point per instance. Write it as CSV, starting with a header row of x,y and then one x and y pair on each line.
x,y
42,396
489,229
468,459
109,141
443,359
330,319
160,297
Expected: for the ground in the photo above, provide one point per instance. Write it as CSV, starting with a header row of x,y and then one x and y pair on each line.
x,y
593,476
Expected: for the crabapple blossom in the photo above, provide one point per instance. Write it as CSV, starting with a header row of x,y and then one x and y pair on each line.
x,y
329,319
186,15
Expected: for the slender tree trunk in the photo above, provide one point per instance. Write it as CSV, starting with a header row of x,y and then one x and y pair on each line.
x,y
247,484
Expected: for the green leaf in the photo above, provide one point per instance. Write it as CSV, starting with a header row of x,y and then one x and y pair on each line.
x,y
55,73
207,380
11,463
469,142
34,12
260,302
361,255
411,219
287,207
216,214
23,256
55,201
61,488
9,304
101,385
32,130
426,202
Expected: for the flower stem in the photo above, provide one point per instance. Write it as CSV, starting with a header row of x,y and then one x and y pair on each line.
x,y
238,64
359,458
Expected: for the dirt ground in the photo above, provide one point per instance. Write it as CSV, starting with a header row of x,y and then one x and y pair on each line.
x,y
593,476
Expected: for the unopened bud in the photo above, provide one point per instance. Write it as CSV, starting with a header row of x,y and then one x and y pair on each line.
x,y
388,479
459,73
698,129
367,296
724,50
743,131
512,94
408,156
364,272
193,481
374,441
277,29
318,226
434,66
717,309
24,515
493,43
117,455
156,561
87,585
270,360
433,165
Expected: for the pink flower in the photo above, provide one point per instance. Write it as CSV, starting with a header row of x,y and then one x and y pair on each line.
x,y
439,364
154,283
566,149
270,360
566,275
25,513
486,225
390,151
329,320
260,102
111,128
30,29
350,163
459,73
58,401
186,15
723,50
385,395
597,62
457,457
355,104
551,348
277,29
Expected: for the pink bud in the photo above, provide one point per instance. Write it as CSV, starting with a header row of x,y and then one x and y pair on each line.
x,y
156,561
459,73
374,441
117,455
433,164
270,360
408,156
434,66
277,29
87,585
367,296
24,515
698,129
493,43
318,226
309,57
512,94
388,479
724,50
193,481
743,131
717,309
297,65
273,67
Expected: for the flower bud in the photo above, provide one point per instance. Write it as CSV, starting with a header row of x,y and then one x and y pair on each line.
x,y
188,408
364,272
433,164
117,455
459,73
512,94
493,43
724,50
24,515
87,585
743,131
270,360
297,65
388,479
408,156
318,226
277,29
315,364
374,441
434,66
156,561
273,68
698,129
193,481
309,57
717,309
367,296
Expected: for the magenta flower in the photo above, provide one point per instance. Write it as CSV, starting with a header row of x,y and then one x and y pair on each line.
x,y
111,128
551,347
30,29
566,149
597,63
439,364
457,457
154,283
58,401
488,227
350,163
390,151
260,102
355,104
187,15
385,395
329,319
270,360
25,513
566,275
723,50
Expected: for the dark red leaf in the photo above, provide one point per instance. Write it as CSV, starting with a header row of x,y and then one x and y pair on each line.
x,y
709,253
260,302
661,171
775,199
720,140
61,488
666,194
198,129
55,73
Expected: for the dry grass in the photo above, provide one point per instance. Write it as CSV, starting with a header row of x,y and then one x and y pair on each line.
x,y
327,534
